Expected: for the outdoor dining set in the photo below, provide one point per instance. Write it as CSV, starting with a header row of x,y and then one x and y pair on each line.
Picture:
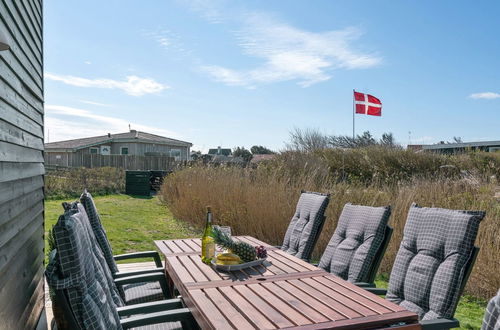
x,y
435,258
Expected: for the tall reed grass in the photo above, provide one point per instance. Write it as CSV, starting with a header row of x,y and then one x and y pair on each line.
x,y
261,201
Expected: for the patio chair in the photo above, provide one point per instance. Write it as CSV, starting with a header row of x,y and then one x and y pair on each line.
x,y
84,288
491,319
306,224
150,286
358,244
433,264
132,293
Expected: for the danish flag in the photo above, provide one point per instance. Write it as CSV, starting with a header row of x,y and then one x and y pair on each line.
x,y
367,104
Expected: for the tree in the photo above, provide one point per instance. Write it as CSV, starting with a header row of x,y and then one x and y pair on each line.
x,y
310,139
261,150
307,140
365,140
387,140
195,155
344,141
243,153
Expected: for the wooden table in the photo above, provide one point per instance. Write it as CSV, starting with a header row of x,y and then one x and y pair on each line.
x,y
288,293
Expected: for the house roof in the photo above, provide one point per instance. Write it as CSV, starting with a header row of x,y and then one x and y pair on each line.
x,y
132,136
223,151
461,145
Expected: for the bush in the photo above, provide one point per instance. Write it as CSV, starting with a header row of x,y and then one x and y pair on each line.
x,y
261,201
69,183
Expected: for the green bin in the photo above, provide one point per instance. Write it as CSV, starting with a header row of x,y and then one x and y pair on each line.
x,y
137,183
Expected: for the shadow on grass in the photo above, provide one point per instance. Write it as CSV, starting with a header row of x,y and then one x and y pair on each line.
x,y
140,196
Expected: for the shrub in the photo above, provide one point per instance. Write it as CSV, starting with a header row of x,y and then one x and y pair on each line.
x,y
69,183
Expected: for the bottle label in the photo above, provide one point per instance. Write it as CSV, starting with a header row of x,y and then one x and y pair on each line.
x,y
209,250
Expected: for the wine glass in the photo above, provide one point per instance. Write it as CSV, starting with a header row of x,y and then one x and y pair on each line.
x,y
226,230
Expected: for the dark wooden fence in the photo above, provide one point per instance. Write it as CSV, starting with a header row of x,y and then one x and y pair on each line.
x,y
127,162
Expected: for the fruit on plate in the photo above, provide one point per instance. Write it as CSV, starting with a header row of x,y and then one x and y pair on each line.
x,y
261,251
228,259
243,250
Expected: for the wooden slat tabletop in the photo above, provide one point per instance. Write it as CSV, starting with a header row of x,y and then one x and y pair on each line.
x,y
287,293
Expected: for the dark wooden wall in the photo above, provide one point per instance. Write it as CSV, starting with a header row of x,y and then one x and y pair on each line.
x,y
21,165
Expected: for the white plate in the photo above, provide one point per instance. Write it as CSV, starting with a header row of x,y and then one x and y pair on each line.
x,y
229,268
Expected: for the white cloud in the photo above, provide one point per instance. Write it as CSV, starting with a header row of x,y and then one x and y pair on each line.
x,y
167,40
97,103
134,85
211,10
164,38
289,53
87,62
84,123
485,95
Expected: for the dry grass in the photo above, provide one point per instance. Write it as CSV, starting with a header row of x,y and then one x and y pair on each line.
x,y
261,201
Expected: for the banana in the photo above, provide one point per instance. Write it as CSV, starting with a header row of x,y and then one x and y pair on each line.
x,y
228,259
227,262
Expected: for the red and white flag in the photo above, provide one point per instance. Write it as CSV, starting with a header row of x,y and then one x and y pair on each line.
x,y
367,104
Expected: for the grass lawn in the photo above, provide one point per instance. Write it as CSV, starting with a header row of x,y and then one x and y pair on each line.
x,y
133,223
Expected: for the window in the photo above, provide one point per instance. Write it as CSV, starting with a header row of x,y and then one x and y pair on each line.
x,y
176,153
58,156
94,150
124,151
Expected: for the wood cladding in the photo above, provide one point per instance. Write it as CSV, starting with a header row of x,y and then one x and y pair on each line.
x,y
21,165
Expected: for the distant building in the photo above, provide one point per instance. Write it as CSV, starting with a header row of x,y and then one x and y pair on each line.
x,y
414,147
220,151
455,148
130,143
258,158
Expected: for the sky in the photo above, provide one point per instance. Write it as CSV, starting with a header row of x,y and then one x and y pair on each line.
x,y
243,73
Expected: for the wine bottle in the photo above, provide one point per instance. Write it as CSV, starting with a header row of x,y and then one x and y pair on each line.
x,y
207,241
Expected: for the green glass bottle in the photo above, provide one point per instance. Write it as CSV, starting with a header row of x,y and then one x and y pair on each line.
x,y
207,240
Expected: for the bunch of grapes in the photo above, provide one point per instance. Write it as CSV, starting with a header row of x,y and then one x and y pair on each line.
x,y
261,252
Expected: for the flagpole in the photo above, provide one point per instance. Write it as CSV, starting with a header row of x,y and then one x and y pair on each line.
x,y
353,112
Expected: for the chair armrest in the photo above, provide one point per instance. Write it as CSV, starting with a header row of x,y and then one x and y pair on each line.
x,y
439,324
150,307
365,285
377,291
139,272
152,277
143,254
182,314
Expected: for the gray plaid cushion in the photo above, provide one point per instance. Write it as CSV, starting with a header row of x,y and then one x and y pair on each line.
x,y
430,264
141,292
306,224
117,292
161,326
80,269
99,231
355,242
491,319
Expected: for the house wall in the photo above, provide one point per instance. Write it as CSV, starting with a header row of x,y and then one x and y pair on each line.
x,y
21,166
138,149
